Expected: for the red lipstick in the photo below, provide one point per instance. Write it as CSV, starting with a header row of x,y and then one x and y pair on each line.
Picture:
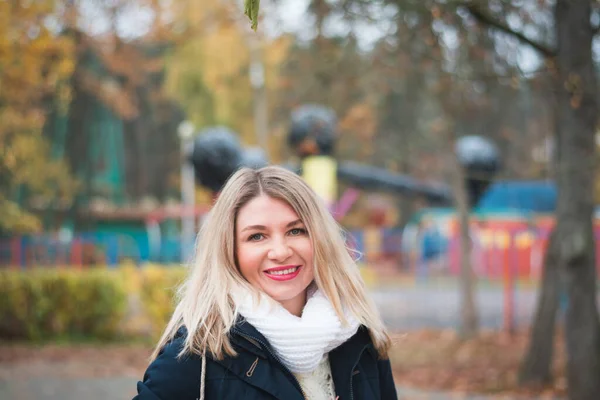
x,y
283,273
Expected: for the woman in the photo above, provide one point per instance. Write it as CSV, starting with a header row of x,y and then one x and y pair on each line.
x,y
274,307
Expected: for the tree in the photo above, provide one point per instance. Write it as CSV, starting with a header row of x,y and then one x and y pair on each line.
x,y
569,64
35,65
572,248
208,71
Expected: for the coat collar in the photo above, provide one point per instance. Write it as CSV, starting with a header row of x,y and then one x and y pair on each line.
x,y
342,359
279,382
248,337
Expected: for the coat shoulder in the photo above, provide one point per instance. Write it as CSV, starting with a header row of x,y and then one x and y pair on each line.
x,y
171,376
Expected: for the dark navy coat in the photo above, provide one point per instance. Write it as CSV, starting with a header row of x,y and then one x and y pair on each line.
x,y
257,373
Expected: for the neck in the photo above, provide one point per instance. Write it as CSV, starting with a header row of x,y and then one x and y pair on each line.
x,y
295,306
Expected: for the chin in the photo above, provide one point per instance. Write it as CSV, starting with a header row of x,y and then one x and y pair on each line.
x,y
285,291
284,295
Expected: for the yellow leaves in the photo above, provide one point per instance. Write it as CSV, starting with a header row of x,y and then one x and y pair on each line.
x,y
10,161
14,219
209,73
32,68
24,149
361,120
63,98
46,303
358,126
26,159
157,294
35,64
16,120
276,51
226,54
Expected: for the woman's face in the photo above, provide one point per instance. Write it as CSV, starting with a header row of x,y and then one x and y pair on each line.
x,y
274,251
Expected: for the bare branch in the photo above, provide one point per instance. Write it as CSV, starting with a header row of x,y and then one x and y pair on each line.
x,y
485,18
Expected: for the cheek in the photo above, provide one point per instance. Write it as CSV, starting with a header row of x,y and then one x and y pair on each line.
x,y
305,250
249,261
309,259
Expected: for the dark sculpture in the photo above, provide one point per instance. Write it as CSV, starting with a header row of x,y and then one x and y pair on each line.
x,y
217,154
312,130
481,161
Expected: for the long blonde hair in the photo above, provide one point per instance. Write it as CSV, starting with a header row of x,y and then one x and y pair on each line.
x,y
205,307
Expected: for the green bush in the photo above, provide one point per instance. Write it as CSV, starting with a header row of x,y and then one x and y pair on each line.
x,y
157,292
43,304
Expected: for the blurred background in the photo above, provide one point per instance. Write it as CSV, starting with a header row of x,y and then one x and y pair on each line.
x,y
418,122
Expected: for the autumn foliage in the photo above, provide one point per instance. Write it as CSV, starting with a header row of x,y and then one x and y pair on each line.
x,y
35,66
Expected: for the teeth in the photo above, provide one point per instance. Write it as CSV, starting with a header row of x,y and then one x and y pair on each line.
x,y
283,272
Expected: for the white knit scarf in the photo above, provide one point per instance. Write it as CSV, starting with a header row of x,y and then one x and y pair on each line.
x,y
300,342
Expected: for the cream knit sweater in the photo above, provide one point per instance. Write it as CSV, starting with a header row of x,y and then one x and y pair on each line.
x,y
318,384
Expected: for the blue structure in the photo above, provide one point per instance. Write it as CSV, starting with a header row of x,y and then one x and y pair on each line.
x,y
526,196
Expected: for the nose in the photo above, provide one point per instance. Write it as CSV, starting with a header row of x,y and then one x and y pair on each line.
x,y
279,251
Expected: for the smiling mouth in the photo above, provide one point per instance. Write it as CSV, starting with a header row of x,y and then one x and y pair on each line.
x,y
283,273
287,271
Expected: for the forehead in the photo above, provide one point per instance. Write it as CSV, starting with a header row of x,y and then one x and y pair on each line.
x,y
265,210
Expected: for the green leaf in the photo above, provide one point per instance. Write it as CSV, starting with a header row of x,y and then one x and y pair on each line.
x,y
251,10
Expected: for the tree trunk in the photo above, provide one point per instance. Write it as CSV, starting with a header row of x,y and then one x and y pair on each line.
x,y
468,311
577,118
536,366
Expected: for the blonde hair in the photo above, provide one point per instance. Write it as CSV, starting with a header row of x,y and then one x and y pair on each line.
x,y
205,307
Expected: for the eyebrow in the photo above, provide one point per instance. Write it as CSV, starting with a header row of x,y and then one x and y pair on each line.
x,y
264,228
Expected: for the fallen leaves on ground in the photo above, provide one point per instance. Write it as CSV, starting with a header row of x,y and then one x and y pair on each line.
x,y
80,360
439,360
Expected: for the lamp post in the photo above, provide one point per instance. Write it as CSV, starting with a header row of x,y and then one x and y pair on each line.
x,y
185,132
257,81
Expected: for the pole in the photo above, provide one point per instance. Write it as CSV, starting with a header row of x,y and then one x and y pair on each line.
x,y
188,226
257,80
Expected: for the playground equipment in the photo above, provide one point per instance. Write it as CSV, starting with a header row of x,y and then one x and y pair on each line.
x,y
217,153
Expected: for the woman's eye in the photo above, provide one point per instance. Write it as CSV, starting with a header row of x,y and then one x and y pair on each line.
x,y
255,237
297,231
